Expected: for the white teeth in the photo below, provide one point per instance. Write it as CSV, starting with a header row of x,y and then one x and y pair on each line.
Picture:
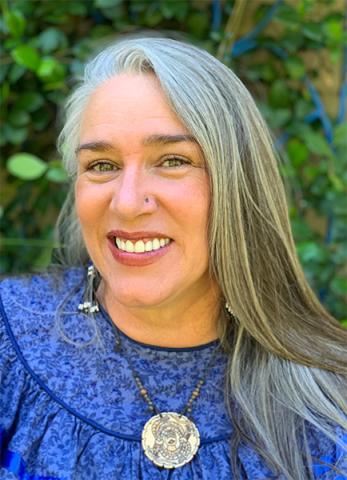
x,y
140,246
149,246
129,246
156,244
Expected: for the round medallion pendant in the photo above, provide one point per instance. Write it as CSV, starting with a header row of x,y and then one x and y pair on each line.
x,y
170,440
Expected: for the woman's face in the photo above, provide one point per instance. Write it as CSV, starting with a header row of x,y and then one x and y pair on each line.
x,y
142,195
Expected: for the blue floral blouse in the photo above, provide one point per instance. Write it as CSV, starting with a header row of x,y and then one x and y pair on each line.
x,y
72,411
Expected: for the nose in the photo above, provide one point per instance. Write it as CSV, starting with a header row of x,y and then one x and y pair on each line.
x,y
133,194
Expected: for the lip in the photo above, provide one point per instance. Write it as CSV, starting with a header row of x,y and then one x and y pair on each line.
x,y
137,259
140,235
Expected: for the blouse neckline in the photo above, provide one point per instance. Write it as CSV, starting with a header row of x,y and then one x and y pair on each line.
x,y
205,346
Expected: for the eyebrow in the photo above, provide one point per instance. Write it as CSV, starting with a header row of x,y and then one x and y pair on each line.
x,y
164,139
100,146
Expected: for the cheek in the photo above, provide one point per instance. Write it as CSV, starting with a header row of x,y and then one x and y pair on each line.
x,y
90,203
83,202
192,204
190,210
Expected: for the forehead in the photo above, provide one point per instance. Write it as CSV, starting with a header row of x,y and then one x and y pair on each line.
x,y
130,101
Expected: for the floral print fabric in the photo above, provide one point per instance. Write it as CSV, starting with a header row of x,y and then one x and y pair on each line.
x,y
71,410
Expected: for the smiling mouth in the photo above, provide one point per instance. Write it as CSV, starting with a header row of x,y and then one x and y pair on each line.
x,y
140,246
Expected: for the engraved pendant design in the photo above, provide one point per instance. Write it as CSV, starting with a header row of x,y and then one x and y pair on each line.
x,y
170,440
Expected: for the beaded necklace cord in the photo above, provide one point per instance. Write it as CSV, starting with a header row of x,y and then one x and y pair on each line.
x,y
169,439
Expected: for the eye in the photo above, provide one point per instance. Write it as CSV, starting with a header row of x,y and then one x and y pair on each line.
x,y
102,166
174,161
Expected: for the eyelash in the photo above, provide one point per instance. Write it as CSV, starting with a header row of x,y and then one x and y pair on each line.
x,y
183,161
93,166
100,164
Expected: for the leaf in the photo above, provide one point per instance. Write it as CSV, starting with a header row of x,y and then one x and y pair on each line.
x,y
302,108
14,135
279,94
58,97
107,3
153,17
18,118
198,24
51,39
312,31
79,8
267,72
276,117
339,285
292,41
297,151
50,70
311,252
300,228
317,144
26,56
43,259
174,9
340,135
76,68
30,101
167,9
15,22
47,67
16,72
335,54
41,119
26,166
5,92
333,29
336,182
311,172
279,117
3,72
56,173
295,67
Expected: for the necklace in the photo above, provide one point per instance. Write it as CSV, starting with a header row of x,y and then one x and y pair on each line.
x,y
169,439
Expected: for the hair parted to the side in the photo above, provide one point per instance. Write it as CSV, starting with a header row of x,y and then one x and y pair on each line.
x,y
288,361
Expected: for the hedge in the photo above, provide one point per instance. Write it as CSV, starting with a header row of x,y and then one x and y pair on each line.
x,y
281,50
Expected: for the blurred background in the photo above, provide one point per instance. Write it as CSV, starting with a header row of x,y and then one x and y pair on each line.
x,y
292,55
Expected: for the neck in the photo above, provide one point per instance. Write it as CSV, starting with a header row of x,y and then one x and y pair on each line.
x,y
186,323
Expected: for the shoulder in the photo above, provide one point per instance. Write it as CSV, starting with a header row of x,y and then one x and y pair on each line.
x,y
43,291
28,305
33,356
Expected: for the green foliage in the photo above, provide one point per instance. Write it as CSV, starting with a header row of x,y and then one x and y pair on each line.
x,y
43,47
26,166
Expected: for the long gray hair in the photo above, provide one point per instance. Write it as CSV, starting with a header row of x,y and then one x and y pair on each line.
x,y
287,355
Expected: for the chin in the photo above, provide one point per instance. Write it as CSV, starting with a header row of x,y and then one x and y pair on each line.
x,y
137,301
139,297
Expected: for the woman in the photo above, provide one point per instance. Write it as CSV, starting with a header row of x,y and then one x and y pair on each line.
x,y
192,346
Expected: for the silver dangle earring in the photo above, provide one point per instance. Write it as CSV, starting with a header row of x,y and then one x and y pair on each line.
x,y
229,310
89,304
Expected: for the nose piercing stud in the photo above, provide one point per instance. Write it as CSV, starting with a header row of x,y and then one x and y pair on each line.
x,y
146,199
